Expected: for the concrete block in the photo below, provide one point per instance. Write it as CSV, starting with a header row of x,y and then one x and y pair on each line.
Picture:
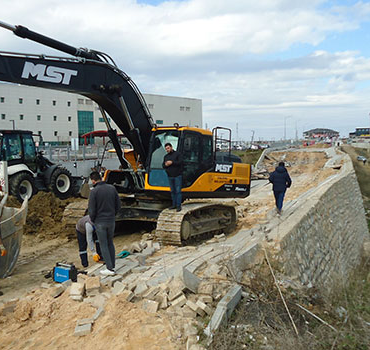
x,y
136,247
118,288
98,313
77,289
247,258
66,284
205,288
96,301
219,317
85,321
180,301
164,287
224,309
140,269
127,295
204,307
82,330
207,299
156,246
110,280
77,297
56,291
46,285
187,312
195,308
150,306
81,278
151,293
124,271
140,289
162,300
231,299
148,251
92,286
143,245
141,258
176,287
190,280
174,311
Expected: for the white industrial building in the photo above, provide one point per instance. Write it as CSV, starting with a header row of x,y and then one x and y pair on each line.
x,y
60,116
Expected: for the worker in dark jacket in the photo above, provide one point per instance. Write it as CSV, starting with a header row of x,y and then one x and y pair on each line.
x,y
172,163
280,180
104,204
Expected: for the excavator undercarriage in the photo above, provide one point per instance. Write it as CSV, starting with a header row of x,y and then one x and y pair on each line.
x,y
197,220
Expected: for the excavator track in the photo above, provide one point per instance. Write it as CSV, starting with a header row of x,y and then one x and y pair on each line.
x,y
73,212
194,221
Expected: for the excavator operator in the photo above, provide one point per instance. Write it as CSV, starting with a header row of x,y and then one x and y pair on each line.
x,y
173,165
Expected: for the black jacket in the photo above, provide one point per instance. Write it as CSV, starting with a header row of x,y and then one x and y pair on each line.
x,y
104,203
175,169
280,179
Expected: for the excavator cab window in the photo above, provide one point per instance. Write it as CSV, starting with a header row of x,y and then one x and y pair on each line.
x,y
157,175
13,147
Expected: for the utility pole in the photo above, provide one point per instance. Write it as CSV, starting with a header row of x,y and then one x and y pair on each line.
x,y
252,137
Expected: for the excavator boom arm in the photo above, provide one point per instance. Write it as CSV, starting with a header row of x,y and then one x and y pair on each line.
x,y
87,75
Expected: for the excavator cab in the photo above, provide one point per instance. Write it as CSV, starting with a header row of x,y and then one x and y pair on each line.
x,y
207,171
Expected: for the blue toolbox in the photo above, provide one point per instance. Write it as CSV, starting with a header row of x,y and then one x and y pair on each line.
x,y
64,272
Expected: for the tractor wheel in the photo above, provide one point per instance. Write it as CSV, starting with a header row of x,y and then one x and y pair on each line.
x,y
61,183
22,185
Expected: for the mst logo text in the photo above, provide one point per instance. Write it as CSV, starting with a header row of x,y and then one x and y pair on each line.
x,y
223,168
50,74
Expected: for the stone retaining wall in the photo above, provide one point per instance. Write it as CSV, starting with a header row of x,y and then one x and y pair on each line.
x,y
326,243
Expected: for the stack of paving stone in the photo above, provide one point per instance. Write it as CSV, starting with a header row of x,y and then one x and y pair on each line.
x,y
189,285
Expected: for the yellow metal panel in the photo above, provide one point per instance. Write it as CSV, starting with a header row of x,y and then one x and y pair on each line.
x,y
211,181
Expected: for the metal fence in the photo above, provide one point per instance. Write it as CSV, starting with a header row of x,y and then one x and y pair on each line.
x,y
65,153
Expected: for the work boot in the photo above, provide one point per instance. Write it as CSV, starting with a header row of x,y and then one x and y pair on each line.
x,y
178,209
172,207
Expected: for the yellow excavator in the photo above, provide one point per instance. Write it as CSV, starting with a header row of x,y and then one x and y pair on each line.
x,y
209,172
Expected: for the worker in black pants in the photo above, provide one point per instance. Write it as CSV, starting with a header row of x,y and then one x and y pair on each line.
x,y
104,204
87,237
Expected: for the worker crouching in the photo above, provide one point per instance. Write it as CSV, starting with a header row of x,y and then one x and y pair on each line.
x,y
87,238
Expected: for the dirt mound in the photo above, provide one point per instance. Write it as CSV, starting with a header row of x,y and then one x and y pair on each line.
x,y
44,217
42,322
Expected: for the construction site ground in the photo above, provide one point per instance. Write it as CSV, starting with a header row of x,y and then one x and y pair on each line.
x,y
40,321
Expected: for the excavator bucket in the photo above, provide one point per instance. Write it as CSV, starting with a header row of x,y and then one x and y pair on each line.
x,y
12,221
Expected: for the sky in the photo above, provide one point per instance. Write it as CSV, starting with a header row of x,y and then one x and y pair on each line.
x,y
269,67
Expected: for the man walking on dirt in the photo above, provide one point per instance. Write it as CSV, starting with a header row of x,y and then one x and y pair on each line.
x,y
172,163
104,204
280,180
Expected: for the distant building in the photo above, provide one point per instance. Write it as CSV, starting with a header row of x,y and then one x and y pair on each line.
x,y
360,132
321,134
60,116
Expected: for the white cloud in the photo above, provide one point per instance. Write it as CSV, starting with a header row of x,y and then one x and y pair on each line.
x,y
218,51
